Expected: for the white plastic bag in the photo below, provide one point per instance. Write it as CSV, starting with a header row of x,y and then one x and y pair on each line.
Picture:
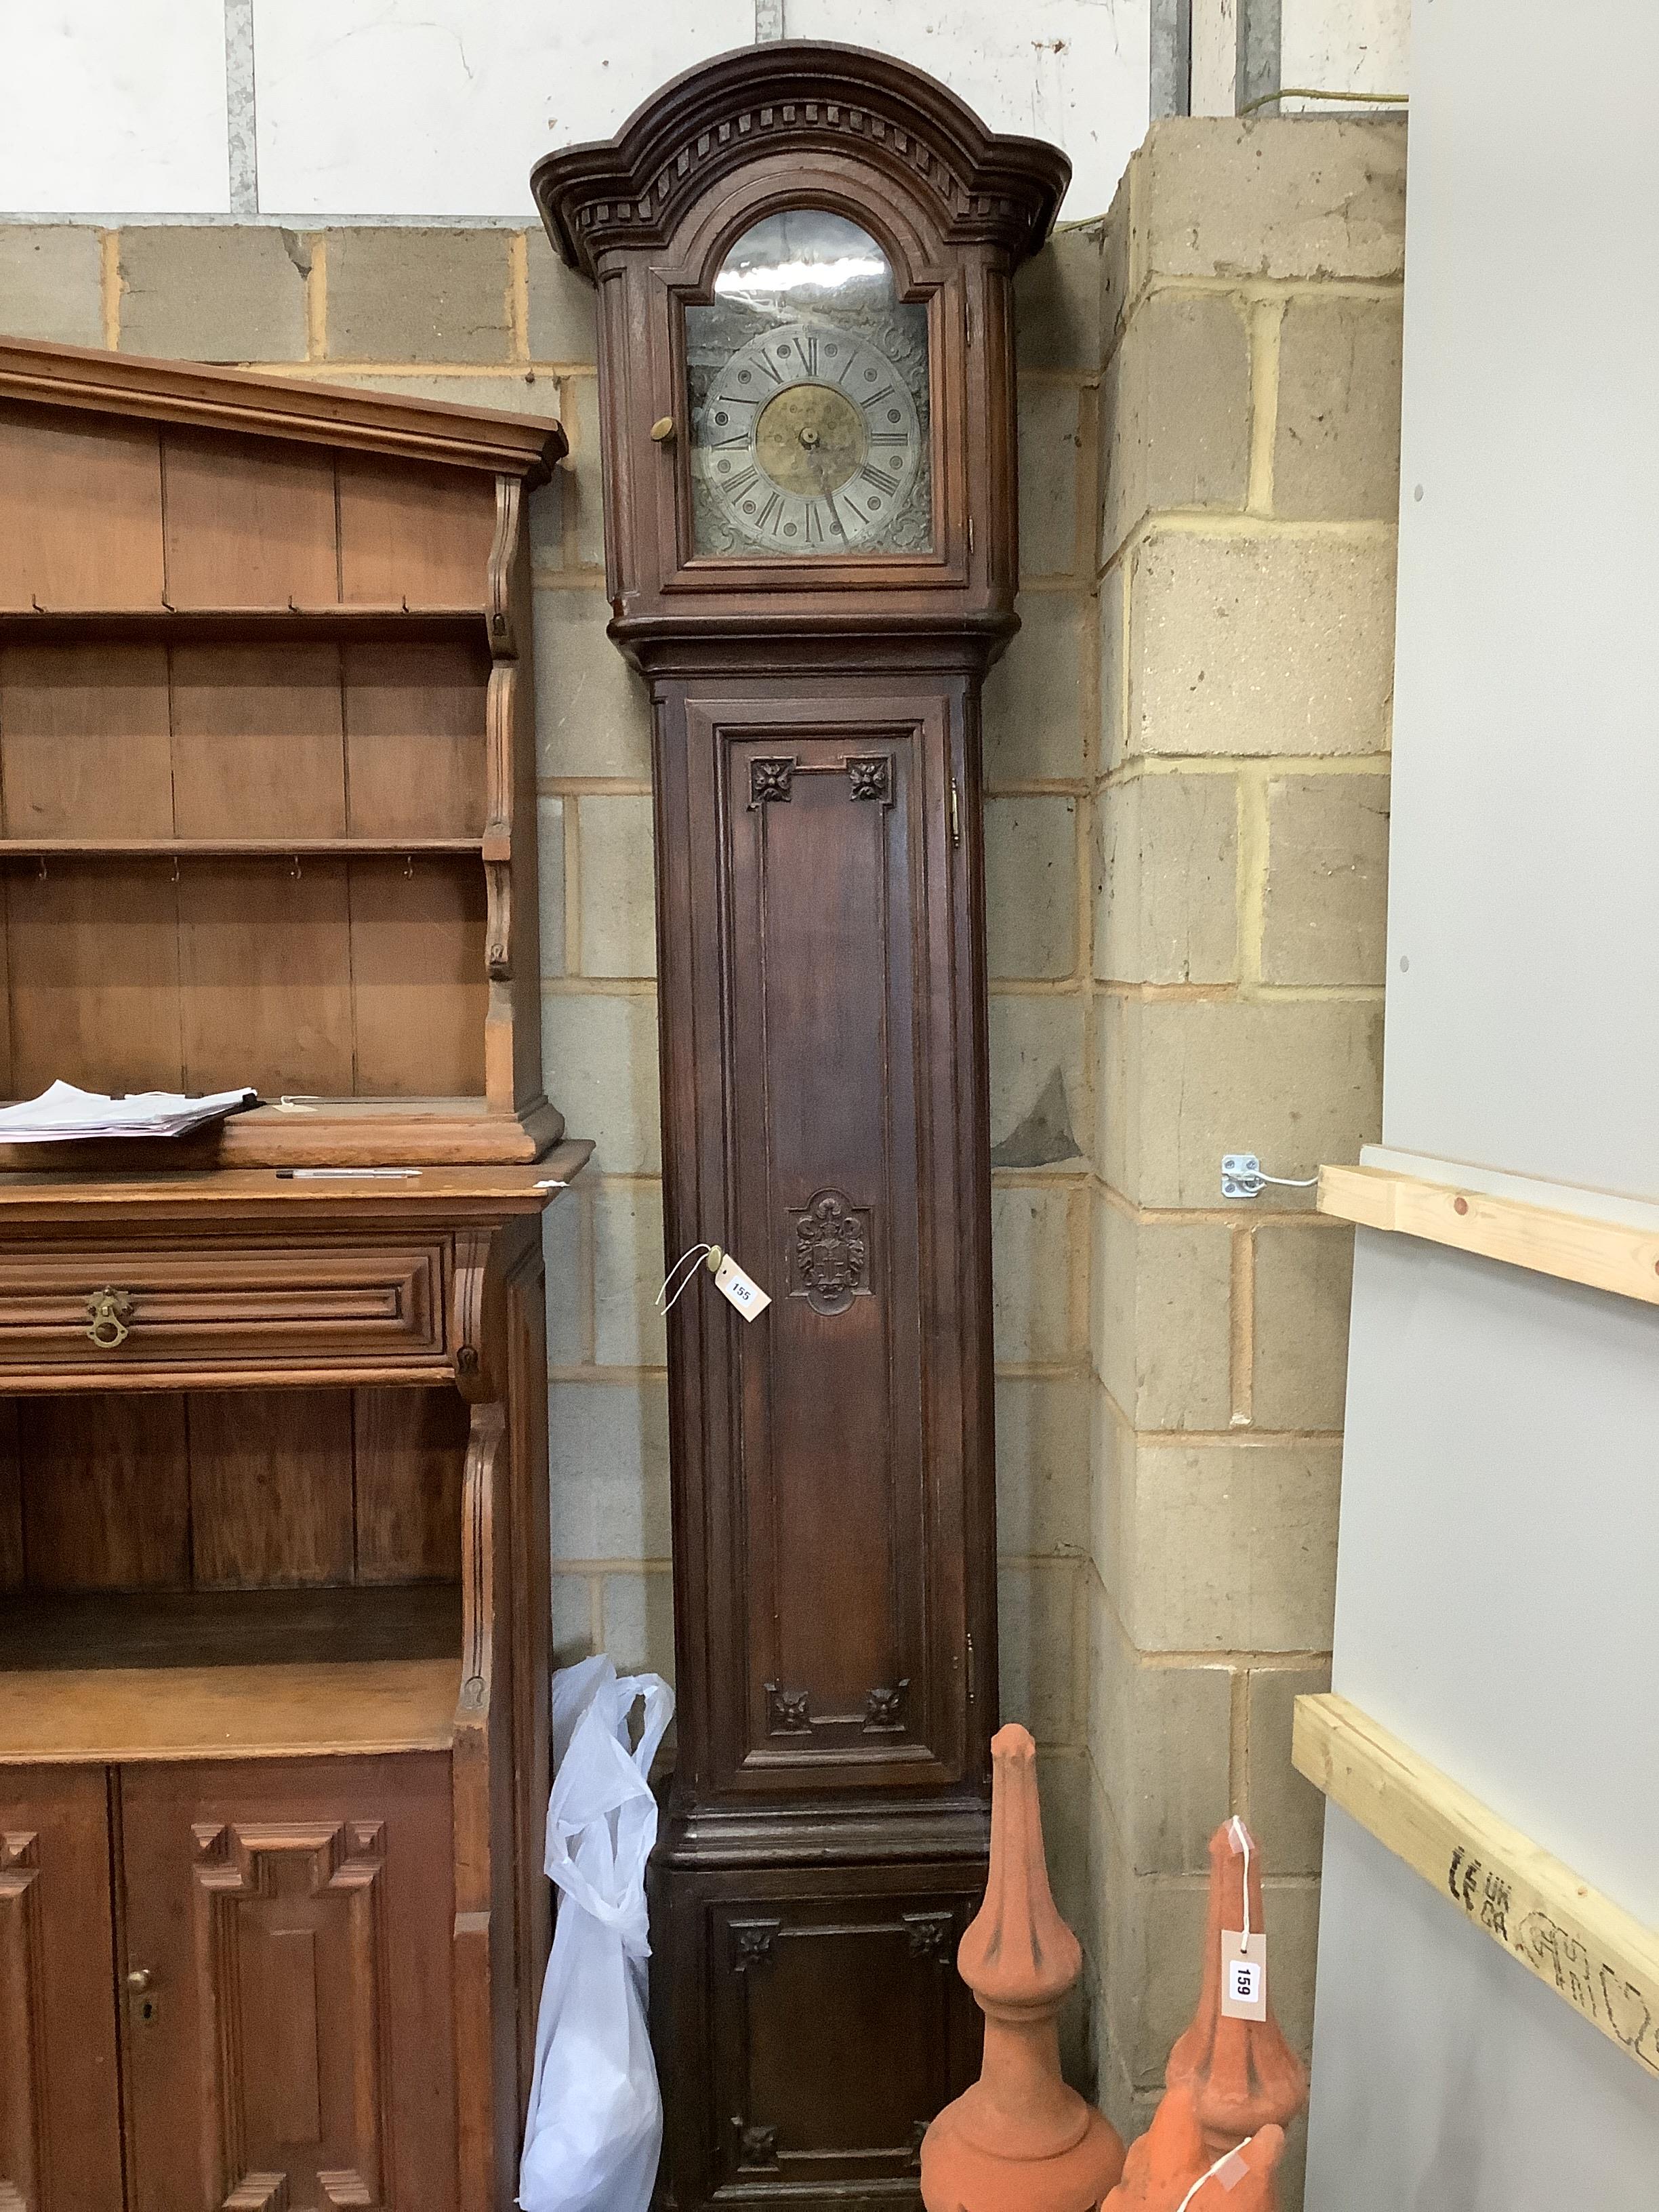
x,y
594,2133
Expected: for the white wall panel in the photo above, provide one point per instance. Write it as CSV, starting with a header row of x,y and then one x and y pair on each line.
x,y
376,107
1075,71
1346,45
1446,2078
1499,1550
1523,1034
113,105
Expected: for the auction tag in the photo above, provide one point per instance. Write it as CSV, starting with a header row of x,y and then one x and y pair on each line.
x,y
734,1285
1244,1975
1231,2171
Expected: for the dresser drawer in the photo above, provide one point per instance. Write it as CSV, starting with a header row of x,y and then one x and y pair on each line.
x,y
107,1308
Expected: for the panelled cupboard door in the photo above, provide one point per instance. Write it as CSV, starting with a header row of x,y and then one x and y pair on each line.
x,y
816,2012
288,2029
846,992
60,2127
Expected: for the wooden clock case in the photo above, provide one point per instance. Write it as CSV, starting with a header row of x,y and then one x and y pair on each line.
x,y
820,904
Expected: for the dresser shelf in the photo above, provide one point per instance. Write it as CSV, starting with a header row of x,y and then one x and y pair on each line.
x,y
243,848
354,619
228,1674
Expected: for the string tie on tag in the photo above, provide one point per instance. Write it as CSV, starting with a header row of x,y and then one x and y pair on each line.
x,y
1230,2169
693,1255
1241,1840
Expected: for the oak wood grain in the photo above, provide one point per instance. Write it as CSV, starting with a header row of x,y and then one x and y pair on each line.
x,y
106,1492
60,2125
270,1488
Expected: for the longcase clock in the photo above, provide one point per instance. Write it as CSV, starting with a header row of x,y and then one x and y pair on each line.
x,y
804,256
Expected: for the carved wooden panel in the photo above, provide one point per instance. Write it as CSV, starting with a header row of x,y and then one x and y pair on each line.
x,y
839,2030
302,2009
840,1042
290,1949
59,2124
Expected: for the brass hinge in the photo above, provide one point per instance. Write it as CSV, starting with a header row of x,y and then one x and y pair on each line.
x,y
956,815
973,1674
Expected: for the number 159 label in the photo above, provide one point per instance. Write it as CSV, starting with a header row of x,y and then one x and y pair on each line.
x,y
1243,1975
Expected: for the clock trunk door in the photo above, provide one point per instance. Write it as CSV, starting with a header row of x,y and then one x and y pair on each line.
x,y
856,1450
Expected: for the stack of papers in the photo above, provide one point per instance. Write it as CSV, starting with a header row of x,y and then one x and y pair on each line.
x,y
64,1113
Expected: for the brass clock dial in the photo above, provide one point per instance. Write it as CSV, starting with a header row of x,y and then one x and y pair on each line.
x,y
808,398
810,441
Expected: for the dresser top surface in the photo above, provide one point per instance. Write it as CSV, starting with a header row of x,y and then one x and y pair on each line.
x,y
342,1198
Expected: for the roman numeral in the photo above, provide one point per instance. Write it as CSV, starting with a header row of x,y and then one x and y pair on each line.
x,y
889,438
764,519
875,397
741,438
736,490
874,475
811,350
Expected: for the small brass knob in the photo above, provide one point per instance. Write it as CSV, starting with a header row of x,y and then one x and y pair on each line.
x,y
108,1312
139,1980
663,430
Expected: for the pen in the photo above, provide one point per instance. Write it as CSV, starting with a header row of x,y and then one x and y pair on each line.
x,y
337,1175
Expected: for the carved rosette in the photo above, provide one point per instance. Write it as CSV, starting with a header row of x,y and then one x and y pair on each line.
x,y
770,777
830,1252
931,1936
871,776
753,1943
884,1709
758,2147
788,1713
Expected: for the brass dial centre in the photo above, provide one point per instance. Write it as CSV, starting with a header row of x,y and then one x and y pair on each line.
x,y
810,440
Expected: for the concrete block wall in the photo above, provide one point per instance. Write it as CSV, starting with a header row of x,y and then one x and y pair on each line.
x,y
1248,408
1186,765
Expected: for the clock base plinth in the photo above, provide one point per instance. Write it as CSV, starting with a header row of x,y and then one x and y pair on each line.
x,y
808,2021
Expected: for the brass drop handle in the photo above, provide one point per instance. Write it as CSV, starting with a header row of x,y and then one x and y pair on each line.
x,y
663,430
108,1311
139,1980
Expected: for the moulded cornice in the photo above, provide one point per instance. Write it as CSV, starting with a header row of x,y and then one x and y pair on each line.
x,y
798,96
196,395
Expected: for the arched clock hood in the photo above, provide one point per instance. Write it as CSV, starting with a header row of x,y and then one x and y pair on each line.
x,y
633,189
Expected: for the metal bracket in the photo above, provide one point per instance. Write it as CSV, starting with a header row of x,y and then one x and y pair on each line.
x,y
1242,1177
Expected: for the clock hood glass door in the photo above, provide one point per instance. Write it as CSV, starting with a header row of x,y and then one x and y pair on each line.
x,y
808,398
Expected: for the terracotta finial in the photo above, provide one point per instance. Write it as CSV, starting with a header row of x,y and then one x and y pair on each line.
x,y
1241,2073
1020,2140
1168,2169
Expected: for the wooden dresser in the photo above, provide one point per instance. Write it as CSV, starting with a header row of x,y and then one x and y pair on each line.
x,y
274,1611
